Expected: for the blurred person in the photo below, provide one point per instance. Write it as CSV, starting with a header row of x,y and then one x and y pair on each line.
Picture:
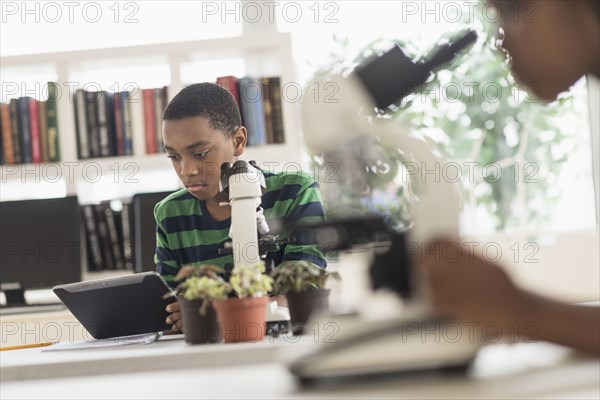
x,y
548,55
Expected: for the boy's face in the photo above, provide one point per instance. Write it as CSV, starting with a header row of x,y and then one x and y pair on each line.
x,y
548,42
197,151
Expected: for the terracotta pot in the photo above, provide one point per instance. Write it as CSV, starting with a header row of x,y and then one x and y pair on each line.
x,y
242,320
198,329
303,304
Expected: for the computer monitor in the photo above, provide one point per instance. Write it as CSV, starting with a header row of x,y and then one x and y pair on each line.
x,y
40,245
145,229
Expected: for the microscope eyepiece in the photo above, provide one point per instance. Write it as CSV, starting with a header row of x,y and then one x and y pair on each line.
x,y
226,166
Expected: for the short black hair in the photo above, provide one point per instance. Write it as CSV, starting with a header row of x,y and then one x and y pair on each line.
x,y
206,100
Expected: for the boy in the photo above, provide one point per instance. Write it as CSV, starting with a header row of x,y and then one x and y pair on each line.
x,y
202,129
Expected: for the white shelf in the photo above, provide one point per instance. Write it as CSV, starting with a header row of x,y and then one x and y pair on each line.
x,y
258,50
207,48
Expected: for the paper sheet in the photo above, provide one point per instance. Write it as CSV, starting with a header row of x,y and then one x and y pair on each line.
x,y
145,338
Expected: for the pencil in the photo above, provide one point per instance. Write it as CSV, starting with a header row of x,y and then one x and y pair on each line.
x,y
26,346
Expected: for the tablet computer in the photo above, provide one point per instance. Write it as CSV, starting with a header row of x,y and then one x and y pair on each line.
x,y
121,306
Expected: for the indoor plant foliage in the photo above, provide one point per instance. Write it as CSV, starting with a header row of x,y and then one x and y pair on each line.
x,y
300,276
200,286
250,280
202,283
303,283
477,116
243,317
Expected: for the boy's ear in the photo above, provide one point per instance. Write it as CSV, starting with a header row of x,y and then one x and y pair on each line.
x,y
239,138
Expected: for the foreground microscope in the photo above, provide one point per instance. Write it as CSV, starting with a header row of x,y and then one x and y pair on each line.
x,y
409,337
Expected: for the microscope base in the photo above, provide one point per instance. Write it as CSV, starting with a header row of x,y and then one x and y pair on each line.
x,y
369,349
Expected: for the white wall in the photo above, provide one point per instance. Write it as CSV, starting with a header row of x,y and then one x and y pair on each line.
x,y
594,94
565,266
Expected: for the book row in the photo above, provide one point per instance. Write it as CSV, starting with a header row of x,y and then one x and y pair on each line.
x,y
29,130
103,124
103,121
260,104
109,236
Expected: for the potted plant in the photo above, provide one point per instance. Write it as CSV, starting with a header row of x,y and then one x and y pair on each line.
x,y
242,317
201,286
303,284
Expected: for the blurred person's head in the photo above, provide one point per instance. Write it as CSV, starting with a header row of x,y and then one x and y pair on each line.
x,y
551,43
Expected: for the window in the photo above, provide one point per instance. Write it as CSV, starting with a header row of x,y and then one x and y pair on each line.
x,y
546,186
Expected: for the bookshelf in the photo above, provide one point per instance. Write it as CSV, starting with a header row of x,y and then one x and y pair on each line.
x,y
95,180
262,53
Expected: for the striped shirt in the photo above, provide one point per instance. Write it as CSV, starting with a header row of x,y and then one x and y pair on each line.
x,y
186,234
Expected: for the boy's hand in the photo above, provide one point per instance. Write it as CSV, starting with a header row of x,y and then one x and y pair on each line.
x,y
175,317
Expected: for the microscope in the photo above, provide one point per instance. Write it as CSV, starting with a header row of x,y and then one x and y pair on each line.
x,y
244,183
406,335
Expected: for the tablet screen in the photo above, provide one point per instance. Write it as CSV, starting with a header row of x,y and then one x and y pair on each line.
x,y
121,306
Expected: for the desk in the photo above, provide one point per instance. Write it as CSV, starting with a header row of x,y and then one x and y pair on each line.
x,y
53,326
171,369
169,353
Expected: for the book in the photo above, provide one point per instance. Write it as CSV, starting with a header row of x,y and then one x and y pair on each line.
x,y
108,260
52,122
1,142
103,128
127,235
81,128
91,117
93,252
113,236
43,127
125,105
34,129
267,98
253,116
230,83
14,128
158,113
165,102
111,124
118,119
276,110
7,137
149,120
24,129
1,138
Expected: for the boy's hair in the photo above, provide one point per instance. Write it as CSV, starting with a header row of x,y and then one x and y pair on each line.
x,y
209,101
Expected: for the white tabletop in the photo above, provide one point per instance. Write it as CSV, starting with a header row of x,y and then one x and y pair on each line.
x,y
167,353
173,369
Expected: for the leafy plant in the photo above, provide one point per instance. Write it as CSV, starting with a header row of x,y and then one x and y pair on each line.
x,y
250,280
510,147
300,276
202,283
